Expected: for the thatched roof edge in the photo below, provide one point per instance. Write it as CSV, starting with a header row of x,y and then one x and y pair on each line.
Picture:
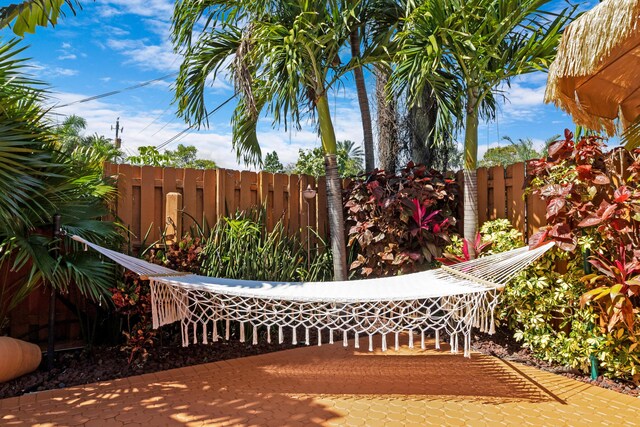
x,y
585,43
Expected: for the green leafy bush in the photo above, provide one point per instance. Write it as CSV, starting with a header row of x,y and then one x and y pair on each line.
x,y
241,247
237,247
399,223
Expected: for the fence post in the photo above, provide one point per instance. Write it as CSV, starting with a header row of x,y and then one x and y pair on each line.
x,y
173,230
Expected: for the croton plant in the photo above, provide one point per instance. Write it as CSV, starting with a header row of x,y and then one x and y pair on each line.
x,y
593,201
399,222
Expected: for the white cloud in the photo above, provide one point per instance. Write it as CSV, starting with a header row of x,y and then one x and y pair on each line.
x,y
146,56
67,56
147,8
66,45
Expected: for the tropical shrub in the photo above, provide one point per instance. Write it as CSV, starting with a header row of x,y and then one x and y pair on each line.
x,y
399,223
237,247
38,178
559,309
593,202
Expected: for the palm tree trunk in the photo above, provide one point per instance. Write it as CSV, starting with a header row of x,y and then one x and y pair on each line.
x,y
422,121
470,160
334,190
388,145
363,101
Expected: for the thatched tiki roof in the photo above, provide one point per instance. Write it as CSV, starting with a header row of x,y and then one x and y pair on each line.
x,y
596,75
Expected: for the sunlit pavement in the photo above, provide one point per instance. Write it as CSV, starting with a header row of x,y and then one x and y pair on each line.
x,y
332,385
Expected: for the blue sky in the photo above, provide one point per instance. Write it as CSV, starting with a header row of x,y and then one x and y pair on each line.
x,y
112,44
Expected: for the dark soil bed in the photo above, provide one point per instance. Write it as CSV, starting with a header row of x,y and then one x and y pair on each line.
x,y
106,363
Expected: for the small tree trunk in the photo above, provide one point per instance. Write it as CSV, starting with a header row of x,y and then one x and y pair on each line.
x,y
336,217
363,101
470,160
334,190
422,121
388,146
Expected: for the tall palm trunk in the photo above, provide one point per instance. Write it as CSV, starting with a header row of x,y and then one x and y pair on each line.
x,y
388,145
334,190
422,121
470,160
363,101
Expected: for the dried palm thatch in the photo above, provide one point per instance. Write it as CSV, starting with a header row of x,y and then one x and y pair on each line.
x,y
596,75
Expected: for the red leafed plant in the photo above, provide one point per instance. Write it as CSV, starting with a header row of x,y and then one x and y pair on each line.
x,y
132,298
469,251
399,222
595,195
619,285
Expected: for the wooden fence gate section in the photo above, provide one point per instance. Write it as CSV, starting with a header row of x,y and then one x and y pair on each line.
x,y
501,194
208,195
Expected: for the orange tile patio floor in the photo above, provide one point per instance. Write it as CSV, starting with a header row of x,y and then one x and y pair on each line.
x,y
332,385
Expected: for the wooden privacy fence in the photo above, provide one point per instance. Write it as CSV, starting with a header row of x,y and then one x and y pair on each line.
x,y
208,195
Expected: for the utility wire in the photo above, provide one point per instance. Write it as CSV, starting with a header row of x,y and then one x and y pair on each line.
x,y
115,92
190,128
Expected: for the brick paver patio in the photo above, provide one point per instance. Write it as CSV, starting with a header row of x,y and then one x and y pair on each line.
x,y
332,385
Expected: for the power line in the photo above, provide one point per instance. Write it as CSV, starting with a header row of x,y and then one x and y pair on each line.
x,y
115,92
190,128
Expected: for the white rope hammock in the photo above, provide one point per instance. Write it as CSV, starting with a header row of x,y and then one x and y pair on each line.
x,y
449,300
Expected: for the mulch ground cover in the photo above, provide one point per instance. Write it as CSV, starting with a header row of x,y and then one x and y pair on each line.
x,y
103,363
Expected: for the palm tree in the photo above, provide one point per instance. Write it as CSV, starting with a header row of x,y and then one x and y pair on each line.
x,y
284,59
355,40
464,49
40,178
29,14
69,133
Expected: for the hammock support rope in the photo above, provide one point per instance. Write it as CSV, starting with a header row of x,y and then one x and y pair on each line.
x,y
446,301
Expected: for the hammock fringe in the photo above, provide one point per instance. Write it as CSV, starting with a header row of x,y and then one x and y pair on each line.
x,y
451,301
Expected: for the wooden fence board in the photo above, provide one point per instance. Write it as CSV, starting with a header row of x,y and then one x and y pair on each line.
x,y
189,199
482,175
498,202
515,196
294,204
247,180
280,181
148,204
209,193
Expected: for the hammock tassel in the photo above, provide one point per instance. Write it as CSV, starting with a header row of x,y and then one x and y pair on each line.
x,y
319,337
486,322
384,342
215,331
410,338
451,347
455,340
437,339
294,339
185,334
330,336
306,336
492,325
370,342
195,335
280,335
268,334
357,344
397,343
226,331
467,345
255,335
241,331
205,340
344,339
